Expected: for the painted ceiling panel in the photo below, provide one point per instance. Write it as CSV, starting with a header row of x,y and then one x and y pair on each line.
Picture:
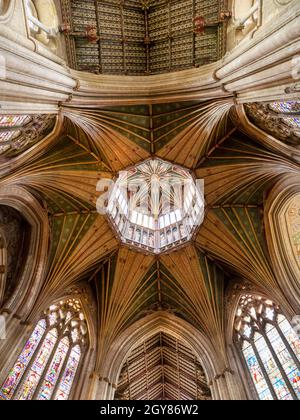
x,y
189,283
162,368
142,37
182,132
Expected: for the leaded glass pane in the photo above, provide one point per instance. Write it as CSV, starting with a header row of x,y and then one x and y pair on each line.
x,y
14,120
258,323
285,107
271,368
290,335
10,121
256,373
68,377
54,363
285,358
292,121
34,375
54,370
18,370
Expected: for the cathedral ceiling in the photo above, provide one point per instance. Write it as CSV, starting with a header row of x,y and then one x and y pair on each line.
x,y
162,368
138,37
63,169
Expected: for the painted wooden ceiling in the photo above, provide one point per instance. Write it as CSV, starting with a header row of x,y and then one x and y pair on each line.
x,y
138,37
63,169
162,368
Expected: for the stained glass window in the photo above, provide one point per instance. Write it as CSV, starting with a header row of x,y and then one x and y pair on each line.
x,y
19,368
47,366
69,374
286,107
289,111
10,128
270,348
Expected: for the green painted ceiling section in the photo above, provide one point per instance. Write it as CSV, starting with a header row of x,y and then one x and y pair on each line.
x,y
83,140
69,220
240,149
67,231
160,290
237,149
246,225
68,155
151,126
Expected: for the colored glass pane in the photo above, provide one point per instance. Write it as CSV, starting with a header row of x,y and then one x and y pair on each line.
x,y
285,107
54,370
256,373
292,121
11,121
68,377
18,370
289,334
285,358
271,368
14,120
33,376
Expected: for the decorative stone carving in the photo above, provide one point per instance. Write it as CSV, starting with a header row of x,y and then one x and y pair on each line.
x,y
38,127
261,115
43,21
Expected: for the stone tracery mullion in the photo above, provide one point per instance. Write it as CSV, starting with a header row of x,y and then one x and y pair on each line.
x,y
279,365
262,367
33,360
287,345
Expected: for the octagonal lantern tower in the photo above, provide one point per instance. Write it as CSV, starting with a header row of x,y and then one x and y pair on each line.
x,y
155,206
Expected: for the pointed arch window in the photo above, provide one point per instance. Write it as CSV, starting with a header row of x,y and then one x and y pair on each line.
x,y
48,364
280,119
18,132
288,111
11,127
270,348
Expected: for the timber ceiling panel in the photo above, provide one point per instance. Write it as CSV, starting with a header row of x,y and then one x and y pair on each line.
x,y
142,37
183,132
162,368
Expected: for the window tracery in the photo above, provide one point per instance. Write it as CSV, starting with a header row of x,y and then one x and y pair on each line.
x,y
48,364
270,348
280,119
20,131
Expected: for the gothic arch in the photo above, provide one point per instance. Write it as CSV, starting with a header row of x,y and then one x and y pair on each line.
x,y
30,280
83,293
278,232
235,293
236,290
70,316
162,321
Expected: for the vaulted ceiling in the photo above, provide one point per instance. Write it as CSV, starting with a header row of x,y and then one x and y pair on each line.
x,y
138,37
162,368
238,168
